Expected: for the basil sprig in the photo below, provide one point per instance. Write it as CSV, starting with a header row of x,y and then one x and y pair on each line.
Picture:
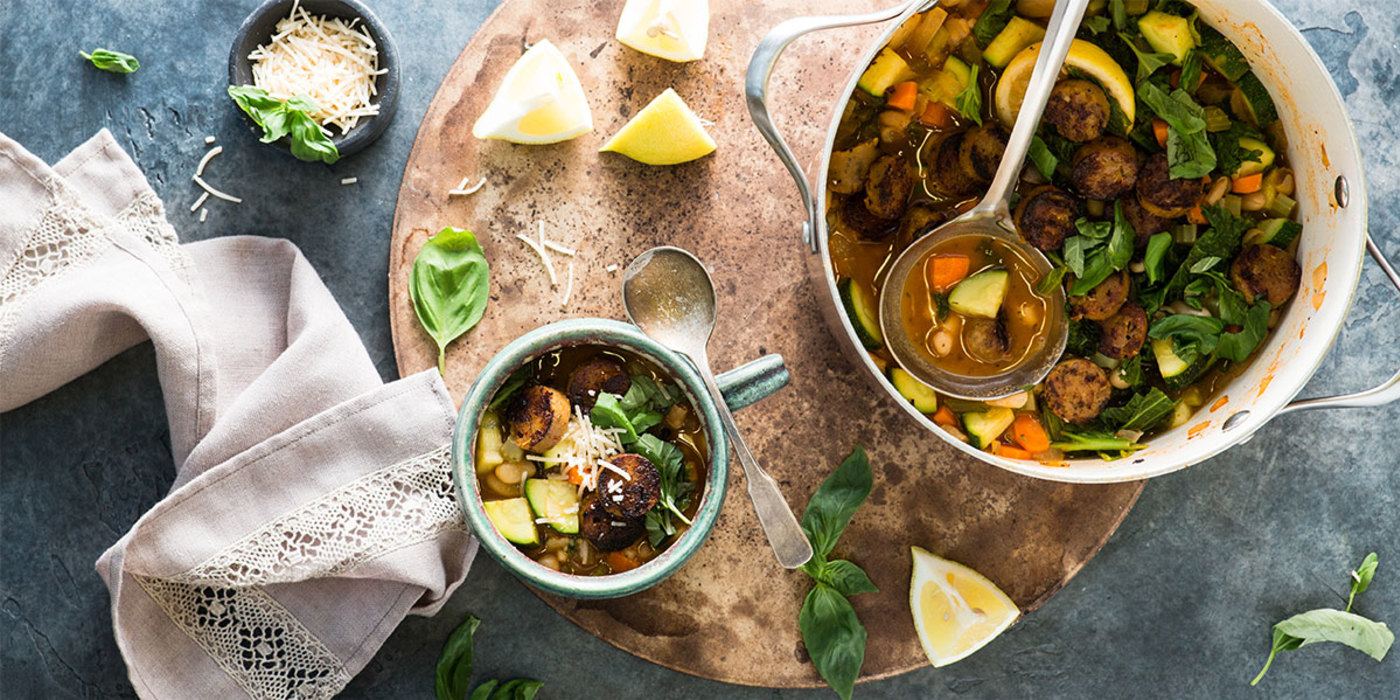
x,y
833,635
454,671
291,117
1327,625
640,409
112,61
449,285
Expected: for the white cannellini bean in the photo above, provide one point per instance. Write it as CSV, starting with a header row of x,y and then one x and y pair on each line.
x,y
1115,379
943,343
1254,201
1217,191
1014,401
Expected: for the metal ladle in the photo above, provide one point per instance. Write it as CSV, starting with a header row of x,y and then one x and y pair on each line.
x,y
668,294
992,218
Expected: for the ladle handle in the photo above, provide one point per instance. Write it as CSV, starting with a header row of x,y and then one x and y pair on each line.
x,y
1059,35
779,524
761,69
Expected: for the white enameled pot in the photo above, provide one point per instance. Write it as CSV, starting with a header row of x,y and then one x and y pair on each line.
x,y
1332,208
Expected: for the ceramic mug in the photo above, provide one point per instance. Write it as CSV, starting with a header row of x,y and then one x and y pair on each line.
x,y
741,387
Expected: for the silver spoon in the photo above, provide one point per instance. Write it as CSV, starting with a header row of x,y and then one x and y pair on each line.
x,y
992,217
670,296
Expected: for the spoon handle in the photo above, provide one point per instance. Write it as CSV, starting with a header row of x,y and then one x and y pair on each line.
x,y
785,536
1059,35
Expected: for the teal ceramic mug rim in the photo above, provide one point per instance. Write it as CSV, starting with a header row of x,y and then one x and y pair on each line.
x,y
561,334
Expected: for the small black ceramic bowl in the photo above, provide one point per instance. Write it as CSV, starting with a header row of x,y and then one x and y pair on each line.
x,y
257,30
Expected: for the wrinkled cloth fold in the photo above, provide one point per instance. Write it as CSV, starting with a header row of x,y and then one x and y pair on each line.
x,y
312,505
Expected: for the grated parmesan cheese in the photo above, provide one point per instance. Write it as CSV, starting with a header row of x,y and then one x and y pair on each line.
x,y
349,180
209,139
203,197
203,215
462,190
330,60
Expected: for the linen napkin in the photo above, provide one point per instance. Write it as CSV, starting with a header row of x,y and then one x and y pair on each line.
x,y
312,505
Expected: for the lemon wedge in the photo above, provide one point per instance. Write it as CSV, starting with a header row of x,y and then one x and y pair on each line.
x,y
540,101
675,30
956,610
1083,56
665,132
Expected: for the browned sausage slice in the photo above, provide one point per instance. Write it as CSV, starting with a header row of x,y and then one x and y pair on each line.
x,y
538,417
949,177
981,151
1104,169
888,188
632,495
1078,109
859,220
985,339
1076,390
1124,332
1102,301
1163,195
608,532
1266,271
597,376
1145,223
1045,217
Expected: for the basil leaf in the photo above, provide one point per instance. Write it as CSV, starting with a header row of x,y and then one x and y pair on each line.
x,y
1153,259
1237,347
454,666
1131,371
1119,11
1361,577
1097,230
516,689
449,285
291,118
1045,161
836,500
1189,153
1098,24
483,691
1120,246
607,413
1231,155
1221,240
834,637
1191,71
670,466
993,20
1083,338
847,578
1051,281
1325,625
1142,412
1148,62
112,61
1202,333
969,100
1204,264
1074,254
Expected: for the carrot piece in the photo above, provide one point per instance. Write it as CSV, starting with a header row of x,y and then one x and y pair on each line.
x,y
937,115
904,95
1028,433
575,476
1009,452
1248,184
620,562
1175,78
1159,130
947,270
944,416
1196,216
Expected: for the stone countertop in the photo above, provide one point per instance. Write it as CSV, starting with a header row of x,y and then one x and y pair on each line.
x,y
1178,603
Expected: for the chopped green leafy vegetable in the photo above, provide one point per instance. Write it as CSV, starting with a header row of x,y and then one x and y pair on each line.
x,y
449,286
1190,335
112,61
513,384
1044,160
833,635
1191,71
1221,240
1083,338
1142,412
1155,257
993,20
291,118
1327,625
1237,347
1228,149
670,465
514,689
1101,249
1147,61
1095,442
1051,280
969,100
1189,153
1221,53
1119,12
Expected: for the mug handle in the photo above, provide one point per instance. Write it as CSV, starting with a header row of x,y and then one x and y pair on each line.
x,y
752,382
1376,396
761,68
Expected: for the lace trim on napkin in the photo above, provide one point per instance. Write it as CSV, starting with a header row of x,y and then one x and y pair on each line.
x,y
402,505
253,638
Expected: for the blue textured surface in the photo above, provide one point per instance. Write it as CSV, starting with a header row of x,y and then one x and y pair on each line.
x,y
1178,603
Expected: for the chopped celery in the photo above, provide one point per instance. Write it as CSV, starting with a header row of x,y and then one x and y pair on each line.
x,y
1185,233
1216,119
1281,207
1232,203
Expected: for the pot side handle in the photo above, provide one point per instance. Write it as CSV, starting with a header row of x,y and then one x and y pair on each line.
x,y
1377,396
756,89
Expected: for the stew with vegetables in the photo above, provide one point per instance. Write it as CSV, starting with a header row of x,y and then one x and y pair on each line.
x,y
1157,184
590,461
